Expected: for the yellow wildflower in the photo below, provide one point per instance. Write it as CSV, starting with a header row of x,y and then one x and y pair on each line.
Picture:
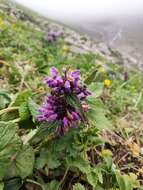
x,y
107,82
106,152
66,49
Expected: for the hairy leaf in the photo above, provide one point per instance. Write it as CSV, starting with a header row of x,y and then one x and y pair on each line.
x,y
53,185
78,186
90,78
96,89
5,99
33,107
10,144
24,111
23,163
81,164
49,159
92,178
128,182
44,130
22,97
97,116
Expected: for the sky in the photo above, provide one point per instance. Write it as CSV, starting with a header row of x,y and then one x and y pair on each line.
x,y
82,9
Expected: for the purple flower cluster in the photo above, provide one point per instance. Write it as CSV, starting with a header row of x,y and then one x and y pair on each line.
x,y
53,36
56,107
126,76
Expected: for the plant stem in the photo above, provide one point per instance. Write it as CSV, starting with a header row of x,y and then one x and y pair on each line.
x,y
16,120
138,99
34,182
9,109
62,180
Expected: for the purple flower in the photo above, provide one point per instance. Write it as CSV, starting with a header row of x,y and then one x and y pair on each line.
x,y
76,74
59,80
67,86
56,107
52,117
54,72
53,36
75,116
65,122
126,76
81,96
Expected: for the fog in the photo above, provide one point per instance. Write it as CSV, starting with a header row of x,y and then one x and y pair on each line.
x,y
118,23
74,10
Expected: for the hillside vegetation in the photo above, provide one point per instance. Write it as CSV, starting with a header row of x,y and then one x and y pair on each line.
x,y
98,144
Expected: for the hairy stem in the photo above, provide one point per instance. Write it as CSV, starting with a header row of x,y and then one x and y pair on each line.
x,y
9,109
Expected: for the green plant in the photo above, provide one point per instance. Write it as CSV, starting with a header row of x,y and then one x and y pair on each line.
x,y
102,152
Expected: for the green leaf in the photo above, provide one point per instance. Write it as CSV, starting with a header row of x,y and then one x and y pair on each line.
x,y
109,162
33,107
9,116
10,144
47,158
6,95
22,97
24,111
125,181
100,177
52,162
5,99
84,166
13,184
98,187
90,78
96,89
96,140
97,116
81,164
53,185
1,186
92,178
74,101
120,180
43,131
23,163
78,186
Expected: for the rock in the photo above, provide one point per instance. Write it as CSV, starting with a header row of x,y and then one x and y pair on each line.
x,y
104,49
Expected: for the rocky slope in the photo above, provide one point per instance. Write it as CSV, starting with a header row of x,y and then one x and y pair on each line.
x,y
78,42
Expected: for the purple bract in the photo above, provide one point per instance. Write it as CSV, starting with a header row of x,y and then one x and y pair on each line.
x,y
56,107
